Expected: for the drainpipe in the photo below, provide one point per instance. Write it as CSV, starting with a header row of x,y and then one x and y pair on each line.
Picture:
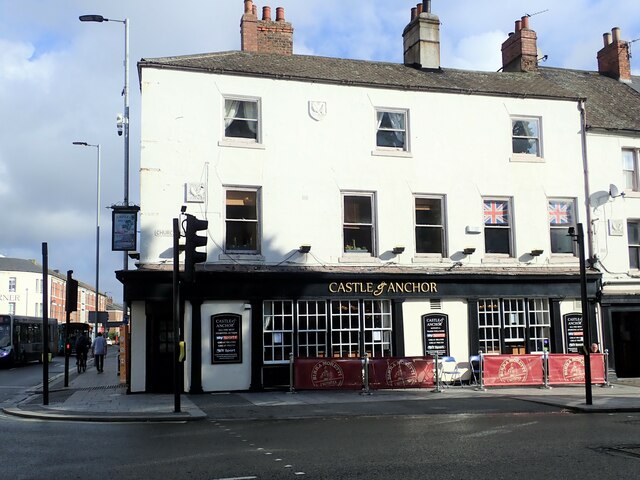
x,y
587,191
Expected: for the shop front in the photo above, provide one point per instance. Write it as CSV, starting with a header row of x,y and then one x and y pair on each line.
x,y
242,326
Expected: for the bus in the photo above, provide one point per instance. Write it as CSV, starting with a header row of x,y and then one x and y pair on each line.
x,y
21,339
75,329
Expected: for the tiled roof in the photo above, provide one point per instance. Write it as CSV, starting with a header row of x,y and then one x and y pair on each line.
x,y
610,104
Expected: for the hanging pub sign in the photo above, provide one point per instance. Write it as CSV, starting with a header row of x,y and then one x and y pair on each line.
x,y
124,225
574,332
435,332
226,333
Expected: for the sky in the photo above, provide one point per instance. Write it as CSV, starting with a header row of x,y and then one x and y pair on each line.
x,y
61,82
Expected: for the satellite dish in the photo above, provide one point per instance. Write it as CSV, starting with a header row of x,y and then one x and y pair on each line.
x,y
615,191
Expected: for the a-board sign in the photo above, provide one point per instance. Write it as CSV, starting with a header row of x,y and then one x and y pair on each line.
x,y
435,333
573,332
226,332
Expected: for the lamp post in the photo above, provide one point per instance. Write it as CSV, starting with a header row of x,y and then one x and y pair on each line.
x,y
85,144
123,124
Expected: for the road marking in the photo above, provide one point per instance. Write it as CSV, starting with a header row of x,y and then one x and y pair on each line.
x,y
235,478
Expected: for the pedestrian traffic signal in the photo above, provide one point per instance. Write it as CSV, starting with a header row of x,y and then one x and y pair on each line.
x,y
67,348
193,241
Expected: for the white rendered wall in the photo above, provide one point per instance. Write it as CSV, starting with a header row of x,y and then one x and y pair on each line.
x,y
460,146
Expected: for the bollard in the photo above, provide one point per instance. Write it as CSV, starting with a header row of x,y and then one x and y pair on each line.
x,y
606,369
481,387
291,388
545,370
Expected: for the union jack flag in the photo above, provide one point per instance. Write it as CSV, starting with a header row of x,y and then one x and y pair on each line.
x,y
560,213
496,213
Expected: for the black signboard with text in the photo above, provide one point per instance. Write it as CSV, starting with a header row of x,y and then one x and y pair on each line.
x,y
226,333
435,333
573,332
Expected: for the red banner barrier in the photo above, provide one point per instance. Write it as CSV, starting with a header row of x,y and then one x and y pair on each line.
x,y
327,374
512,370
569,369
401,372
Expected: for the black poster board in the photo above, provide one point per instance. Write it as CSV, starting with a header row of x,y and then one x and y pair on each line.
x,y
435,334
226,338
573,332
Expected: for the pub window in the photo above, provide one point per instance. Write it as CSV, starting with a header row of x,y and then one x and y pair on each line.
x,y
312,328
497,226
429,218
12,284
242,221
633,237
277,331
358,223
561,219
242,119
345,328
514,325
377,328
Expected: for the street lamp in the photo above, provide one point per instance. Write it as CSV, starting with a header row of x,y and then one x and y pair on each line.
x,y
85,144
124,122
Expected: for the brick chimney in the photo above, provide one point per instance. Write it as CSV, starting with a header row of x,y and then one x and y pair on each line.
x,y
520,50
266,35
613,59
421,38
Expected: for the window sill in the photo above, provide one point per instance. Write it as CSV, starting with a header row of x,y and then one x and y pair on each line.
x,y
526,158
493,258
254,257
559,258
358,258
241,144
426,258
391,153
631,194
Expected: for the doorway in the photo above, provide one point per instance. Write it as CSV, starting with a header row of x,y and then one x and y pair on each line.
x,y
626,336
160,339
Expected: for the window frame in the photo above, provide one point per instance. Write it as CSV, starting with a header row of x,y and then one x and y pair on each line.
x,y
633,173
285,335
634,249
378,129
509,227
573,222
257,221
356,250
236,140
442,226
524,155
13,284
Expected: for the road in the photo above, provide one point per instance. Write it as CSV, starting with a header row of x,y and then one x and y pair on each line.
x,y
19,379
532,445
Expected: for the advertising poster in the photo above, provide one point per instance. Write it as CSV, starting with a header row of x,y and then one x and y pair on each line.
x,y
574,332
435,329
226,330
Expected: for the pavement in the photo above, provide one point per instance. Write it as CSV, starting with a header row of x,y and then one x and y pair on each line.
x,y
96,397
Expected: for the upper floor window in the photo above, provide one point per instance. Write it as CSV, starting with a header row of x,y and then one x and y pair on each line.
x,y
525,136
497,226
630,169
241,119
242,221
430,231
391,130
12,308
561,218
358,223
633,235
12,284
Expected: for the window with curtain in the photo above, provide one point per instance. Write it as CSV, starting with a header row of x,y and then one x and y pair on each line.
x,y
429,218
12,284
391,129
241,120
242,221
633,236
630,169
525,136
561,218
497,226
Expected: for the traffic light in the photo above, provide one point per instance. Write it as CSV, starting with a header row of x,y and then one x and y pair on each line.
x,y
71,303
193,241
67,348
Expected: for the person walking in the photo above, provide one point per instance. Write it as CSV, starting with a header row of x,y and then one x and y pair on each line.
x,y
99,349
82,348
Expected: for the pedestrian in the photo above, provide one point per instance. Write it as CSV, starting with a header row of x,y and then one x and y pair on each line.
x,y
82,347
594,347
99,349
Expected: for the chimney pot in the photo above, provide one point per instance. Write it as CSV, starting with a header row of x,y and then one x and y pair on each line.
x,y
419,8
248,6
254,9
525,22
280,14
518,25
607,38
414,13
426,6
266,13
616,34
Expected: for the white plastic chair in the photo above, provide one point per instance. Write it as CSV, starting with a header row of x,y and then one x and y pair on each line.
x,y
450,371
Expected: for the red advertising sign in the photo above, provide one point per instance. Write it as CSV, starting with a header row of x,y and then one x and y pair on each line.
x,y
405,372
512,370
327,374
569,369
